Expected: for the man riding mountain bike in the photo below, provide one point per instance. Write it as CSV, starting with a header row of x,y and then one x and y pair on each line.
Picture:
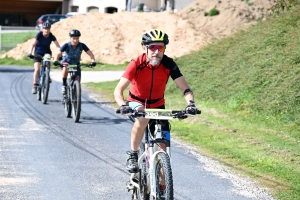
x,y
147,76
72,56
41,47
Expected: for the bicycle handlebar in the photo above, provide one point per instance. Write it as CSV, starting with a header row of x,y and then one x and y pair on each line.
x,y
79,65
41,57
179,114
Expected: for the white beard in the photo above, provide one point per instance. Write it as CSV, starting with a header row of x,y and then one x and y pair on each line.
x,y
155,62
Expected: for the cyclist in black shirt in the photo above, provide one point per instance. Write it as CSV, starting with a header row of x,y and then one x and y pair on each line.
x,y
41,46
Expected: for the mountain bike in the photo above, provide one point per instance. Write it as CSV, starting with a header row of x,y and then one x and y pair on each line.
x,y
43,79
72,97
154,179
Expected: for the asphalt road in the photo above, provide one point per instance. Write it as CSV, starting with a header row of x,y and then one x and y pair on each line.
x,y
45,155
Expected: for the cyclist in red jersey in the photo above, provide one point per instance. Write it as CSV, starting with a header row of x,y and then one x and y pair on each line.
x,y
147,76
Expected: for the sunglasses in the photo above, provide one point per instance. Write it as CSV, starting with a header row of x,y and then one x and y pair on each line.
x,y
160,48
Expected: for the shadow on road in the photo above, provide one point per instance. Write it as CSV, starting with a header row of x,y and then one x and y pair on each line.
x,y
12,70
101,120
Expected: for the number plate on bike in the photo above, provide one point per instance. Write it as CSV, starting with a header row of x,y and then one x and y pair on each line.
x,y
47,58
158,114
72,69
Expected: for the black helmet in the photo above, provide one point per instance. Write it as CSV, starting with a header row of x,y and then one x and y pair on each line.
x,y
75,33
155,35
46,24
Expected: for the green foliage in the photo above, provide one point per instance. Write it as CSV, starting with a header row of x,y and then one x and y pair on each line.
x,y
282,5
214,12
262,63
249,3
10,40
22,62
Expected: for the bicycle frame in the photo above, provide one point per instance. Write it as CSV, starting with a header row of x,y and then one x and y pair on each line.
x,y
144,183
42,87
72,98
72,69
152,147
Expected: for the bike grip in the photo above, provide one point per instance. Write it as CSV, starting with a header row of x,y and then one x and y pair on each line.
x,y
198,112
118,111
131,118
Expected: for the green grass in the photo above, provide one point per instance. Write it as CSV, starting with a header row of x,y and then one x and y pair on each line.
x,y
12,39
248,89
22,62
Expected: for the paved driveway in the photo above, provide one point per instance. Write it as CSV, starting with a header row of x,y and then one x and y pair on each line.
x,y
91,76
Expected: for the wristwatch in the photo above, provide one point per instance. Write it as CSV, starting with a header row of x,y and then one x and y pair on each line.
x,y
192,101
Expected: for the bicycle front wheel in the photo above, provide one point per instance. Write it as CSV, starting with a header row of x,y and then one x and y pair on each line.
x,y
143,193
76,101
67,102
45,88
38,88
164,177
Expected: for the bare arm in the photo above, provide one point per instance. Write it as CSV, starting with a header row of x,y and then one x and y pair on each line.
x,y
182,85
119,90
57,44
91,55
58,56
32,46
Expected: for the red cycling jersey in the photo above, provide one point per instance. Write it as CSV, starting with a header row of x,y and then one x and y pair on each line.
x,y
147,82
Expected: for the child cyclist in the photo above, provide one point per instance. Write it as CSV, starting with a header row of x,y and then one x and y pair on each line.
x,y
72,56
41,46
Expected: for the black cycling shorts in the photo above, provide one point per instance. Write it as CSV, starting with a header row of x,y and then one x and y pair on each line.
x,y
38,58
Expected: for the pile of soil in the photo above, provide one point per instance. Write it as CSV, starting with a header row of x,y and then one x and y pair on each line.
x,y
115,38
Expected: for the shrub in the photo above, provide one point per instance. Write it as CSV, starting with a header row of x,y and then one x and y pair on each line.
x,y
214,12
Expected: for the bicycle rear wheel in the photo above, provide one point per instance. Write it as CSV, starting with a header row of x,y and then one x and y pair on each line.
x,y
45,87
164,177
67,101
76,101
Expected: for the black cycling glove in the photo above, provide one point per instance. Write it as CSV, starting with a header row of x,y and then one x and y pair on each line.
x,y
125,109
30,56
93,64
56,63
191,108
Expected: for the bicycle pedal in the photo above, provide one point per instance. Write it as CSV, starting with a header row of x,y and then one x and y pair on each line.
x,y
129,186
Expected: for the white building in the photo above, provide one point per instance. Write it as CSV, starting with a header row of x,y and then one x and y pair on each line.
x,y
111,6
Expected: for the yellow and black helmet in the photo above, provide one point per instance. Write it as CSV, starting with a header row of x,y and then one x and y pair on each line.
x,y
155,35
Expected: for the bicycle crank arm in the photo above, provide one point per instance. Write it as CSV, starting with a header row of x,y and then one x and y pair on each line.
x,y
133,183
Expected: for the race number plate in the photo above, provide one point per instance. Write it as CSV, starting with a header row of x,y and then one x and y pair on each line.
x,y
47,58
72,69
158,114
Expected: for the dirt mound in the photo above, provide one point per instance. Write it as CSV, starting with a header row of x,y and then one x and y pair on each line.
x,y
115,38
